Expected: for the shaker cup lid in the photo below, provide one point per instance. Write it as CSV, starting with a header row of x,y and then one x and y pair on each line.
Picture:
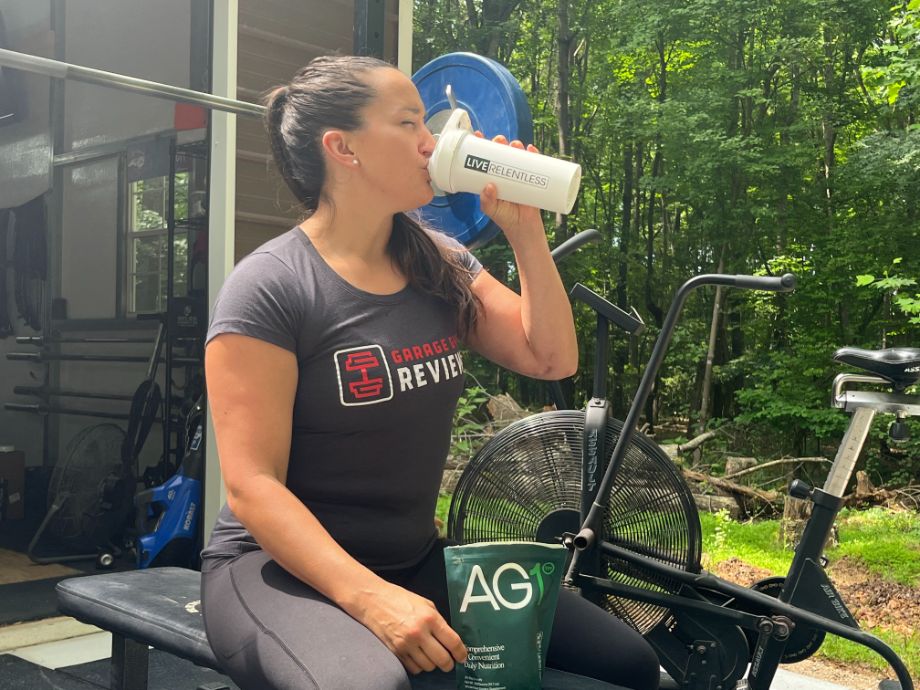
x,y
496,105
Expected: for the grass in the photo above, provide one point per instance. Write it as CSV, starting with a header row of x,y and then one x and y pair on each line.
x,y
885,542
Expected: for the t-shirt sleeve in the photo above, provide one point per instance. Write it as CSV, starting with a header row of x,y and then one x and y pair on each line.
x,y
467,260
259,299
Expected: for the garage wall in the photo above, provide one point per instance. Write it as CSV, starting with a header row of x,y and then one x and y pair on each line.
x,y
276,38
149,40
143,39
25,173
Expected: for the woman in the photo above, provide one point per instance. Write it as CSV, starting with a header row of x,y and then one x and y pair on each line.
x,y
333,370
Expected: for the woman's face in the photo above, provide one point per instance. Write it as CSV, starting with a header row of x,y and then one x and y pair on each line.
x,y
393,146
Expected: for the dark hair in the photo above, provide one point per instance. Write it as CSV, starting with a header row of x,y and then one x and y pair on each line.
x,y
331,92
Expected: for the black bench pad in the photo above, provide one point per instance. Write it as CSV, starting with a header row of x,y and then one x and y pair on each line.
x,y
161,607
158,606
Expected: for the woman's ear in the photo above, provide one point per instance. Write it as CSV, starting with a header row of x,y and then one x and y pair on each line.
x,y
337,148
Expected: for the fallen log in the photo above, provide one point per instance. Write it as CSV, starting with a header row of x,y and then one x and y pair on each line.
x,y
504,408
696,442
770,497
772,463
876,497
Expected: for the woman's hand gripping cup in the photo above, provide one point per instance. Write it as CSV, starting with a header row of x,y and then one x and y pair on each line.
x,y
512,218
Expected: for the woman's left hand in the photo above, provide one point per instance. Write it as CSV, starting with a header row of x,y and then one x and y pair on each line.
x,y
510,217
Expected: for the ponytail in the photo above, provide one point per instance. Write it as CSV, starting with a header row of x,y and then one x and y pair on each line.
x,y
275,110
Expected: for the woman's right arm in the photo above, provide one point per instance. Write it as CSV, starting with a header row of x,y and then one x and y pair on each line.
x,y
251,388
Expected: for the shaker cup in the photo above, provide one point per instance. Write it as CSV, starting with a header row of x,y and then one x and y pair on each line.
x,y
463,162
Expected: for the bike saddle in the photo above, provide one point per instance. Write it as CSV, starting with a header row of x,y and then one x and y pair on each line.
x,y
900,365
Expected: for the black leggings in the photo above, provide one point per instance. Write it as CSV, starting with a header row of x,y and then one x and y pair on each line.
x,y
273,632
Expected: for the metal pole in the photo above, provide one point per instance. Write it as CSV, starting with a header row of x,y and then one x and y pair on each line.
x,y
404,45
50,356
370,19
47,391
221,215
168,307
48,410
63,70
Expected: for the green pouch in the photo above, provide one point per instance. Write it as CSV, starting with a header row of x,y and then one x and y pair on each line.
x,y
502,602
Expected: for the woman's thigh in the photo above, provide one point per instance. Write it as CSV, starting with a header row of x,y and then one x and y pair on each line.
x,y
271,631
589,641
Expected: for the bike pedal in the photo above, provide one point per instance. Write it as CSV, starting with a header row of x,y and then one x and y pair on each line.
x,y
889,685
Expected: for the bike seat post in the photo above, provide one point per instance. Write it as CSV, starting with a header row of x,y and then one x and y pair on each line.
x,y
863,405
848,453
828,500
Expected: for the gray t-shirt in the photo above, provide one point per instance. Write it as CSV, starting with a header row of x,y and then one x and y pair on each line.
x,y
379,379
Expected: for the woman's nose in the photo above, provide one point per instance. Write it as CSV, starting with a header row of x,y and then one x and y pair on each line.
x,y
428,144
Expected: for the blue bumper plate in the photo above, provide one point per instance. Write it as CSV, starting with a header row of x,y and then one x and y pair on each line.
x,y
496,104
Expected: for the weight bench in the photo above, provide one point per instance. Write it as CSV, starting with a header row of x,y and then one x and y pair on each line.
x,y
161,608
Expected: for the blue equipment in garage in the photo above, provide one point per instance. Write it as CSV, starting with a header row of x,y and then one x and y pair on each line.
x,y
167,515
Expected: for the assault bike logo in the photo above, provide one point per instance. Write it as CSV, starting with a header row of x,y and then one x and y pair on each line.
x,y
521,590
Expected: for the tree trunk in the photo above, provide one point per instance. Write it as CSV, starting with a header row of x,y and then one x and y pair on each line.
x,y
625,226
623,272
564,120
494,14
829,128
705,402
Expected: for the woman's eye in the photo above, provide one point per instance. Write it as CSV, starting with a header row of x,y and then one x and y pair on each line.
x,y
409,122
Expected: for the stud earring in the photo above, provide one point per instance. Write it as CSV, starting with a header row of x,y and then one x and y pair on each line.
x,y
355,161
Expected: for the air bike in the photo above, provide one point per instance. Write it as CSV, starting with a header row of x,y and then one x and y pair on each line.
x,y
633,530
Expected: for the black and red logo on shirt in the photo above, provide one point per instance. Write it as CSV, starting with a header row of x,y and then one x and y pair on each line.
x,y
364,376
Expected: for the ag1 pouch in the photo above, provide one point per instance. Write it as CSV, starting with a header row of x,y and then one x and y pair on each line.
x,y
502,602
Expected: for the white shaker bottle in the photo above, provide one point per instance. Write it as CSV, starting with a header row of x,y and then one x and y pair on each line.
x,y
463,162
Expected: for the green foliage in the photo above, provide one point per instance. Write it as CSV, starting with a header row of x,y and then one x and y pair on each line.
x,y
443,507
768,136
896,71
890,463
469,425
900,290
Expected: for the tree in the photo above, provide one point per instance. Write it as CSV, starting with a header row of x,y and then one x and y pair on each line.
x,y
766,135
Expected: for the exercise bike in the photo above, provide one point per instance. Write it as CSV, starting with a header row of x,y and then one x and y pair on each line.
x,y
632,527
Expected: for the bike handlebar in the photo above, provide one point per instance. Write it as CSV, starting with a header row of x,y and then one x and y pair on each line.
x,y
585,539
573,243
784,283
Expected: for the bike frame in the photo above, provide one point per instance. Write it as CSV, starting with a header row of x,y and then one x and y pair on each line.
x,y
702,602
